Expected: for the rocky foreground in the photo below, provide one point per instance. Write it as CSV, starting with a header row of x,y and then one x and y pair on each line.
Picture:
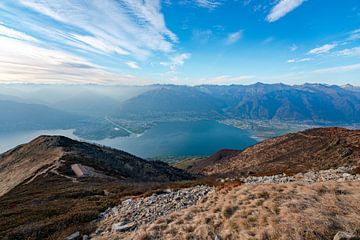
x,y
132,213
154,217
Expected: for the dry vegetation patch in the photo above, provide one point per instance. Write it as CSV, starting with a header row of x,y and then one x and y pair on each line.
x,y
267,211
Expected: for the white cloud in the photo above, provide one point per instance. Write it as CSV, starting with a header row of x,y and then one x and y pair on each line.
x,y
234,37
355,35
282,8
84,32
133,65
268,40
210,4
299,60
22,61
176,61
11,33
323,49
339,69
118,27
354,52
97,44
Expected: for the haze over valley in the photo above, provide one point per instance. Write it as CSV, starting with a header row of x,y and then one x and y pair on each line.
x,y
125,116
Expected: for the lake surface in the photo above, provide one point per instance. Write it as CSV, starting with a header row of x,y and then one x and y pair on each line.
x,y
199,138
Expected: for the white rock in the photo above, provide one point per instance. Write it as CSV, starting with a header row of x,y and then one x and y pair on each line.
x,y
121,227
73,236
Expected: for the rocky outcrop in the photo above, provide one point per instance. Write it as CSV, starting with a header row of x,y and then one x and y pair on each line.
x,y
132,213
340,174
346,236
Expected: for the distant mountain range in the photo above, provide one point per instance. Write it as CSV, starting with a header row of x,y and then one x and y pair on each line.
x,y
85,108
309,102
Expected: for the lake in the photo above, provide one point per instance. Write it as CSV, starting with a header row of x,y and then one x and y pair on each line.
x,y
198,138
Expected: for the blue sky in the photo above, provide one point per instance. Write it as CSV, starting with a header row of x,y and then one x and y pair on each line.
x,y
180,42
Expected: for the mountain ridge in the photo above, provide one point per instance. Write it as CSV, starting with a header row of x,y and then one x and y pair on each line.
x,y
317,103
312,149
57,154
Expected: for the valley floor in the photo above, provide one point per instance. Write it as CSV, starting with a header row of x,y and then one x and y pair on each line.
x,y
317,206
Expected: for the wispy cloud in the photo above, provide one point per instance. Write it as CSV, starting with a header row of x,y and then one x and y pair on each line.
x,y
22,61
355,52
176,61
268,40
12,33
119,27
339,69
210,4
282,8
355,35
68,37
133,65
299,60
234,37
323,49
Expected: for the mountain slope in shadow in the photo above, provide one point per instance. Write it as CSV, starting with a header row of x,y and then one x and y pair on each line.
x,y
313,149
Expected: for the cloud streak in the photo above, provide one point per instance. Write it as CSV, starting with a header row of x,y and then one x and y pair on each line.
x,y
12,33
339,69
176,61
23,62
209,4
282,8
119,27
299,60
354,52
75,40
233,37
323,49
133,65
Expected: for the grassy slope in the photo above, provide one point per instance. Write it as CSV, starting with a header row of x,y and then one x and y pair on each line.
x,y
269,211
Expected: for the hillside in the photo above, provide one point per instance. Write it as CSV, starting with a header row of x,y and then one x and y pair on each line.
x,y
53,184
57,154
313,149
17,116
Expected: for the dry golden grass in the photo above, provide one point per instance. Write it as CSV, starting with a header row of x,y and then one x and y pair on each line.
x,y
269,211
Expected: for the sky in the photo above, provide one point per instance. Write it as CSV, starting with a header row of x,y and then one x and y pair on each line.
x,y
187,42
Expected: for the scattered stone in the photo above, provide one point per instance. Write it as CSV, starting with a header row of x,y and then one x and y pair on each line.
x,y
346,152
132,213
340,174
345,236
217,237
74,236
123,226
